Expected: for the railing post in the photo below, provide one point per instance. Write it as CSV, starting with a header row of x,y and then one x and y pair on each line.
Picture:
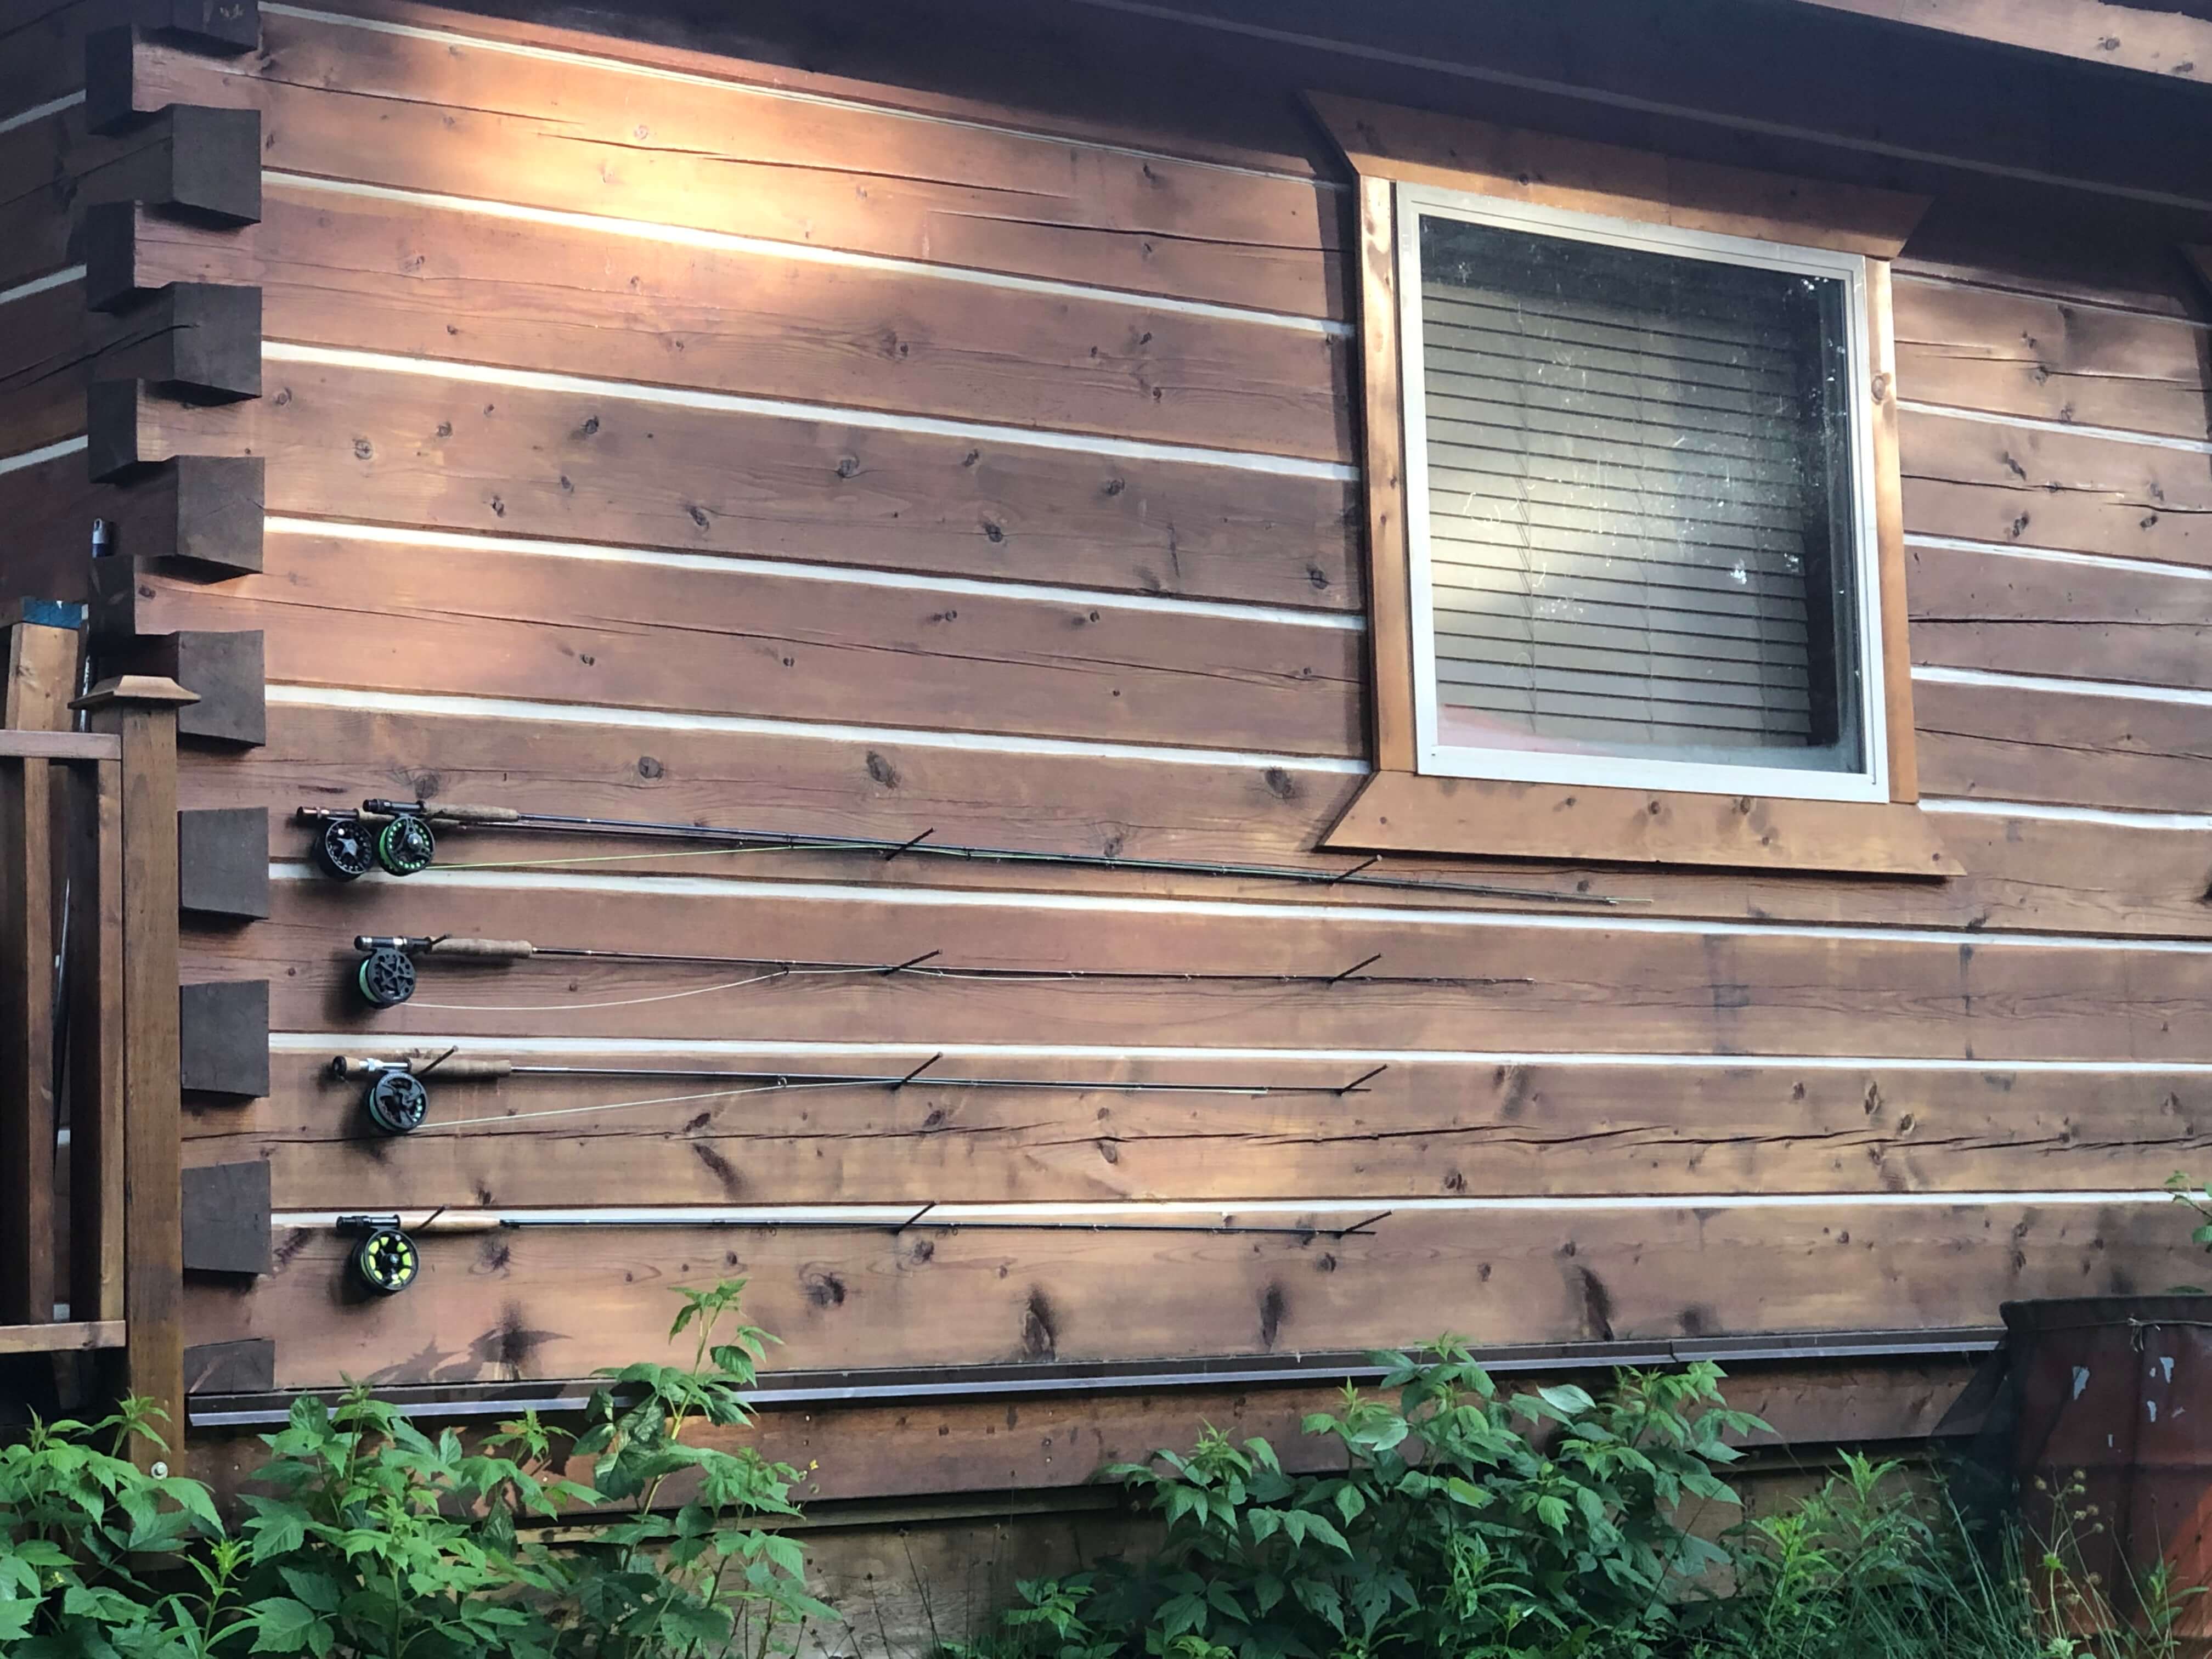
x,y
93,954
27,1048
141,710
40,671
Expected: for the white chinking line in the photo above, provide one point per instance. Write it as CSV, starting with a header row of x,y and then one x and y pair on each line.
x,y
2070,428
40,284
1291,466
649,721
2113,817
38,457
23,117
2162,568
939,898
1345,1210
536,714
805,253
323,1044
801,570
453,38
2188,696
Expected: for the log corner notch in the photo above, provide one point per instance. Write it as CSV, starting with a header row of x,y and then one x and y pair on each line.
x,y
175,342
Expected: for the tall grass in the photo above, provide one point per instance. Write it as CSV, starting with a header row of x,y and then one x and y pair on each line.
x,y
1867,1567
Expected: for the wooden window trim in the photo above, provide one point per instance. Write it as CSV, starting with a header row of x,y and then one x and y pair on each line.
x,y
1402,810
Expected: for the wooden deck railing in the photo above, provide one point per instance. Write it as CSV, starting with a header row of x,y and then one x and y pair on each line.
x,y
88,1025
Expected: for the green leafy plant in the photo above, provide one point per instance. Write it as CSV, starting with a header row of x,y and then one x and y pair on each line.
x,y
707,1578
373,1540
379,1539
1460,1523
78,1520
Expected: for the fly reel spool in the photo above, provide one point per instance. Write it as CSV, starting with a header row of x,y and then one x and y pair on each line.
x,y
405,845
385,1259
385,976
343,849
397,1103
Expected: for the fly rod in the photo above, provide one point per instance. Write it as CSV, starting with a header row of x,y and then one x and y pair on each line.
x,y
387,1259
397,1101
386,975
400,838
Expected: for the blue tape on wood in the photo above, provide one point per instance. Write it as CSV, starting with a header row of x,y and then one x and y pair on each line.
x,y
54,613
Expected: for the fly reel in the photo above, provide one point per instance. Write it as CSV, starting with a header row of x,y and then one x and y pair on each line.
x,y
385,976
397,1102
385,1259
343,849
349,845
405,846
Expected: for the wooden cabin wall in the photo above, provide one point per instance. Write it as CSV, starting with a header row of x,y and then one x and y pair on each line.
x,y
685,437
45,330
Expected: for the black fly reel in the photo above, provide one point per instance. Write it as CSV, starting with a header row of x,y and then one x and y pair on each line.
x,y
348,848
385,976
343,849
385,1259
397,1102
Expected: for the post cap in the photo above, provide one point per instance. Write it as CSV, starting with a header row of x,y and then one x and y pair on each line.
x,y
152,689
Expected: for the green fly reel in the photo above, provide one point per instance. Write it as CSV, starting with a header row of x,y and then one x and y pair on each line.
x,y
397,1102
385,1259
385,976
405,845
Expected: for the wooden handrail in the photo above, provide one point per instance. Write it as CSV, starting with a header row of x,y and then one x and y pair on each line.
x,y
79,1336
60,745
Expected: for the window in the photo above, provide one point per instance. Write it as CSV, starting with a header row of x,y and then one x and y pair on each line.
x,y
1638,504
1634,522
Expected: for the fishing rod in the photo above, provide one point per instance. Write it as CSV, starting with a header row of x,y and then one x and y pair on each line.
x,y
400,838
397,1101
386,975
387,1259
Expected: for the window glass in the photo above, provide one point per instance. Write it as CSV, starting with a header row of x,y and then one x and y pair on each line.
x,y
1639,504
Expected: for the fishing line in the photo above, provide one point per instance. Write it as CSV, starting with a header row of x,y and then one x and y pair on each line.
x,y
397,1099
632,1002
624,1105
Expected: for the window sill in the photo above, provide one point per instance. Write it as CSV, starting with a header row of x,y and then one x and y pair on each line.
x,y
1404,813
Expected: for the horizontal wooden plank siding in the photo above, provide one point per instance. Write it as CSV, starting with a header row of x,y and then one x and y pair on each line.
x,y
658,435
1434,1128
43,342
1988,481
382,444
2067,620
485,618
444,278
396,109
1967,347
1503,983
2090,749
556,1302
2026,873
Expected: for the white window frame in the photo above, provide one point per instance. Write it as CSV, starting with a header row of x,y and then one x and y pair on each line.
x,y
1871,782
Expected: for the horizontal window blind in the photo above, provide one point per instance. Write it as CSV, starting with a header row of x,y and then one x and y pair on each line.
x,y
1634,488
